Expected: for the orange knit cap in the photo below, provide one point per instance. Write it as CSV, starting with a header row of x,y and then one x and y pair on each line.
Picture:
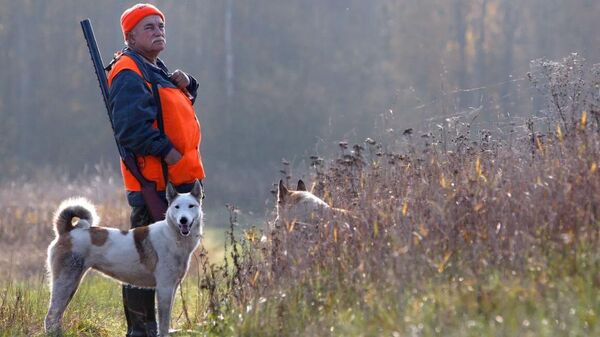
x,y
135,14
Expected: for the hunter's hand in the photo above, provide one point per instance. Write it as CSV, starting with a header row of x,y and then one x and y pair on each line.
x,y
180,79
172,157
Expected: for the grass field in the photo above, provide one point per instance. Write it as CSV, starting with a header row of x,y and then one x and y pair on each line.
x,y
554,302
460,232
96,310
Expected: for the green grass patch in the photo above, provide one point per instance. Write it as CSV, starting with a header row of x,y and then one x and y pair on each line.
x,y
540,302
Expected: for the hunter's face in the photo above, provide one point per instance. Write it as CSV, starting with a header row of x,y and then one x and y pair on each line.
x,y
148,36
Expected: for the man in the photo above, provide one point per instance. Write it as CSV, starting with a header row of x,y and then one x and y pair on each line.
x,y
153,118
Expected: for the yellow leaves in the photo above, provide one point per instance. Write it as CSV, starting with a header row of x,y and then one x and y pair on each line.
x,y
28,216
335,233
405,207
420,234
250,235
442,265
593,168
559,133
478,207
327,197
479,170
423,230
31,217
538,144
443,182
583,120
255,278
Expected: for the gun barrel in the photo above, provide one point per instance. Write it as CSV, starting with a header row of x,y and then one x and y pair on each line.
x,y
88,33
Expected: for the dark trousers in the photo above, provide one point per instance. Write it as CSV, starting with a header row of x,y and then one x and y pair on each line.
x,y
138,302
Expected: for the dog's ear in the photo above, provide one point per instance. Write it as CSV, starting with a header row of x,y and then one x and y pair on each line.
x,y
283,192
197,190
301,186
171,193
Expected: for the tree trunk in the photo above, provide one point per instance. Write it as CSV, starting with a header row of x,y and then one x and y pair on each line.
x,y
461,30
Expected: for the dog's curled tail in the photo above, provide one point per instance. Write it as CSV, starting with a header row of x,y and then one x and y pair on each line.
x,y
74,208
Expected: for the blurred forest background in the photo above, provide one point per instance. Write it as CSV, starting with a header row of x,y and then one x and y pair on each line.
x,y
280,78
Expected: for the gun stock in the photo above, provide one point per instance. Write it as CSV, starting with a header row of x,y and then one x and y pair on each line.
x,y
154,202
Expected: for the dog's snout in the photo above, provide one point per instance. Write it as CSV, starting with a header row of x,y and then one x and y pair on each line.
x,y
183,220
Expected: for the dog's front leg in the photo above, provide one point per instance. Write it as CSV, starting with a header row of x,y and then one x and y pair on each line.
x,y
165,295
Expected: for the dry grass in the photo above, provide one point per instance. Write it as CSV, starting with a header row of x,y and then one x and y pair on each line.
x,y
505,240
455,229
28,206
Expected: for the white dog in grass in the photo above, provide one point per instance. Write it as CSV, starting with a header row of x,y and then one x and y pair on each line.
x,y
303,207
155,256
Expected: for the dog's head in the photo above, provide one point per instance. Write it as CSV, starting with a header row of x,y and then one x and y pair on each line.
x,y
299,205
185,209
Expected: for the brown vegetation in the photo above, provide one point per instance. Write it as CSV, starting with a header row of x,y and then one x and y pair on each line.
x,y
451,208
28,207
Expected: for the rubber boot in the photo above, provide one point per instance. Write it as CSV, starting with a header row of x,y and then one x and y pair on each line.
x,y
139,312
139,302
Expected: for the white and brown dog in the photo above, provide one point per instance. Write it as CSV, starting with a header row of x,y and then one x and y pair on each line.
x,y
155,256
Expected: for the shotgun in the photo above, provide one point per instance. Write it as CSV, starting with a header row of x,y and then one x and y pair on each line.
x,y
154,202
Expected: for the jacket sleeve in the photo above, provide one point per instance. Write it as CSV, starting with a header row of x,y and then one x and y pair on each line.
x,y
134,111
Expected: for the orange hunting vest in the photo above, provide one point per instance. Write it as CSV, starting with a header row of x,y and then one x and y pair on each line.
x,y
181,127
